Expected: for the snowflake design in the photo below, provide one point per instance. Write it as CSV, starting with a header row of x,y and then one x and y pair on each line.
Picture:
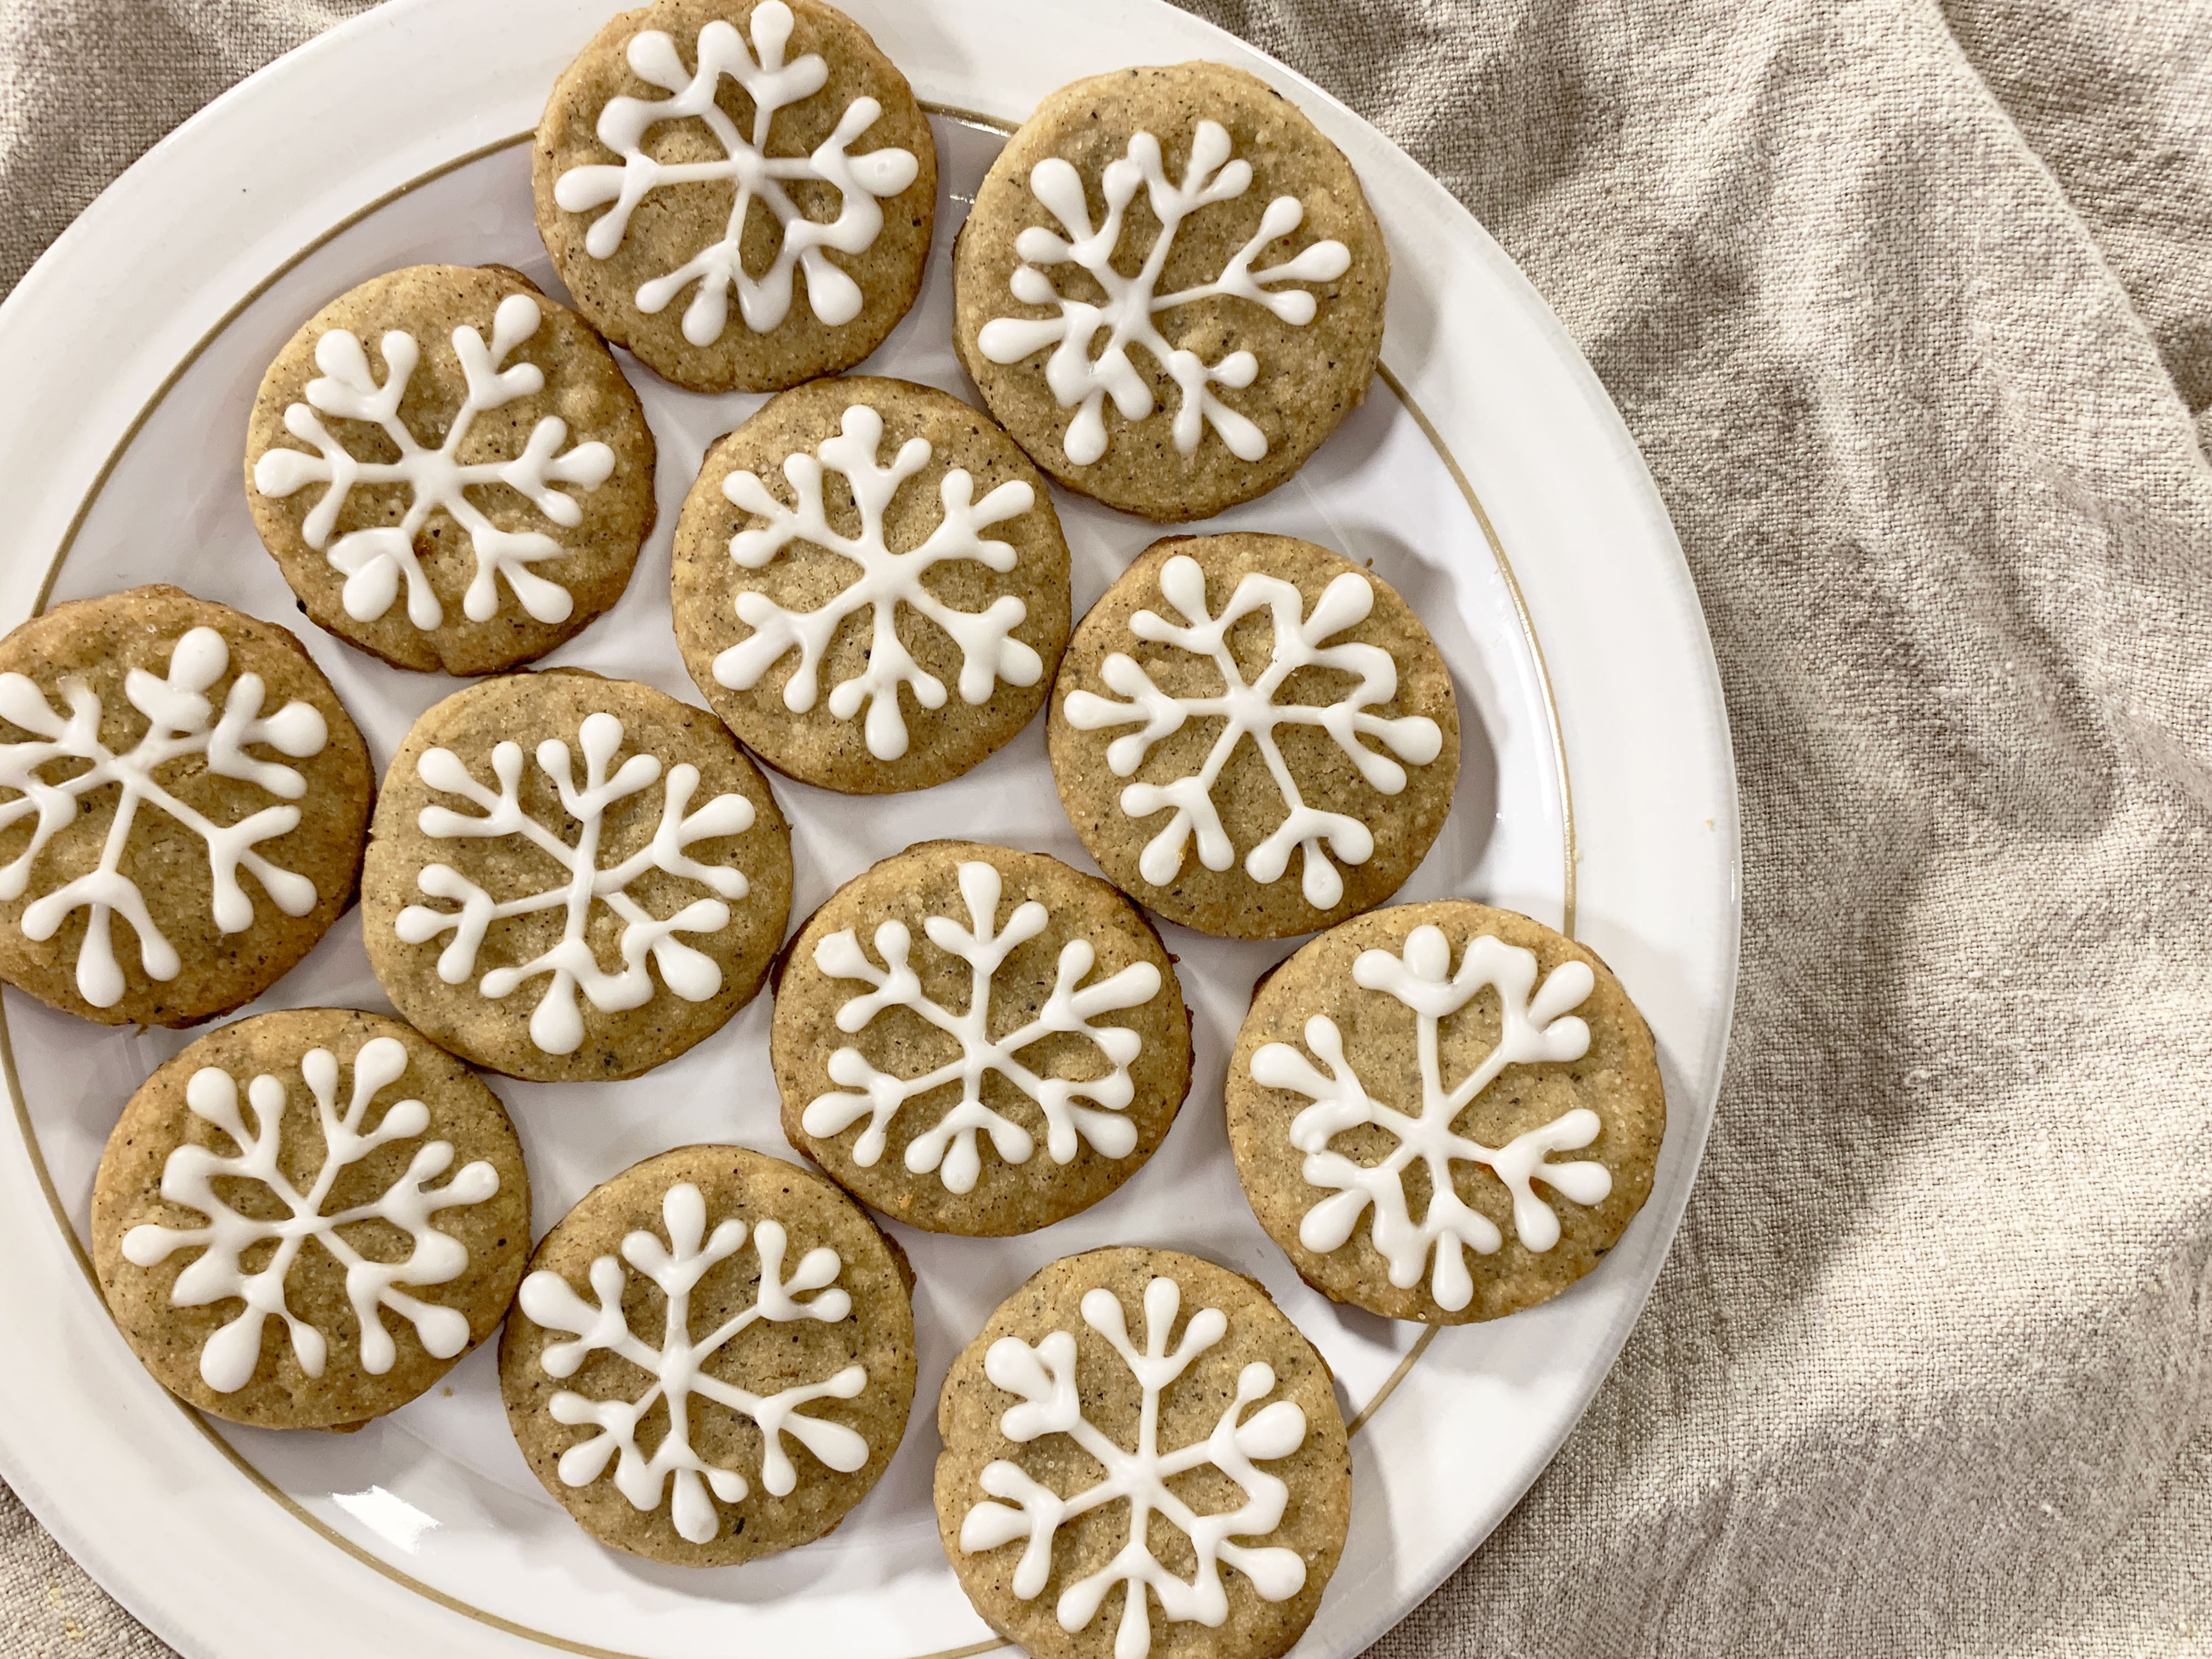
x,y
375,561
1535,1026
988,650
1071,1007
677,1366
1044,1376
180,722
1082,372
557,1024
1250,710
229,1357
771,84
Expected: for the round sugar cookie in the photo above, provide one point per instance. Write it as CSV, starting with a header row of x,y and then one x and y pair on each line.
x,y
870,586
157,751
979,1041
741,191
756,1380
1057,1420
1171,289
1253,735
306,1219
571,879
1444,1112
450,470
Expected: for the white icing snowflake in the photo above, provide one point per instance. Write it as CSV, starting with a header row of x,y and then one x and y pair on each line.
x,y
1535,1027
1082,372
196,1176
1251,711
988,650
375,560
771,84
557,1024
677,1365
1070,1009
1052,1403
180,722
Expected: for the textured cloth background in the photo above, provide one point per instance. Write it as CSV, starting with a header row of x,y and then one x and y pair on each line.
x,y
1909,307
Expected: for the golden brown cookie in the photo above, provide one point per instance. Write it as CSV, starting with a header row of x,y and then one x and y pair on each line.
x,y
1253,735
977,1040
1171,289
155,752
871,585
712,1358
573,878
1403,1083
305,1219
1165,1448
741,191
450,470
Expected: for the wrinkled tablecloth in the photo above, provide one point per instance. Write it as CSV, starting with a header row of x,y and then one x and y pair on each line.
x,y
1909,307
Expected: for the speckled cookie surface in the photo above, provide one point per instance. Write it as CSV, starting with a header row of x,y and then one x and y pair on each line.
x,y
573,878
450,469
1044,1413
327,1165
155,750
636,176
871,586
977,1040
750,1292
1444,1112
1253,735
1272,259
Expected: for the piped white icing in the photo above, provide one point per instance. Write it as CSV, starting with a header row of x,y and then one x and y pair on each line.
x,y
988,650
229,1358
677,1366
1251,711
1083,371
180,722
772,84
1051,1402
1535,1027
375,561
556,1026
950,1146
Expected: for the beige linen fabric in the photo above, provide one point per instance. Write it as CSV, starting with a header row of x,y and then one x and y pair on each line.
x,y
1911,309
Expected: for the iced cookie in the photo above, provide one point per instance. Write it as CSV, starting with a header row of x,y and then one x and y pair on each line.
x,y
573,878
450,470
1141,1453
1444,1112
1253,735
702,152
977,1040
712,1358
1171,289
305,1219
155,752
870,586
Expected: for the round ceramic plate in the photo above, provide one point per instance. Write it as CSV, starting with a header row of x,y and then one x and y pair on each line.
x,y
1486,477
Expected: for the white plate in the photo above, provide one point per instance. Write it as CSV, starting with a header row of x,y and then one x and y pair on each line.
x,y
1487,477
